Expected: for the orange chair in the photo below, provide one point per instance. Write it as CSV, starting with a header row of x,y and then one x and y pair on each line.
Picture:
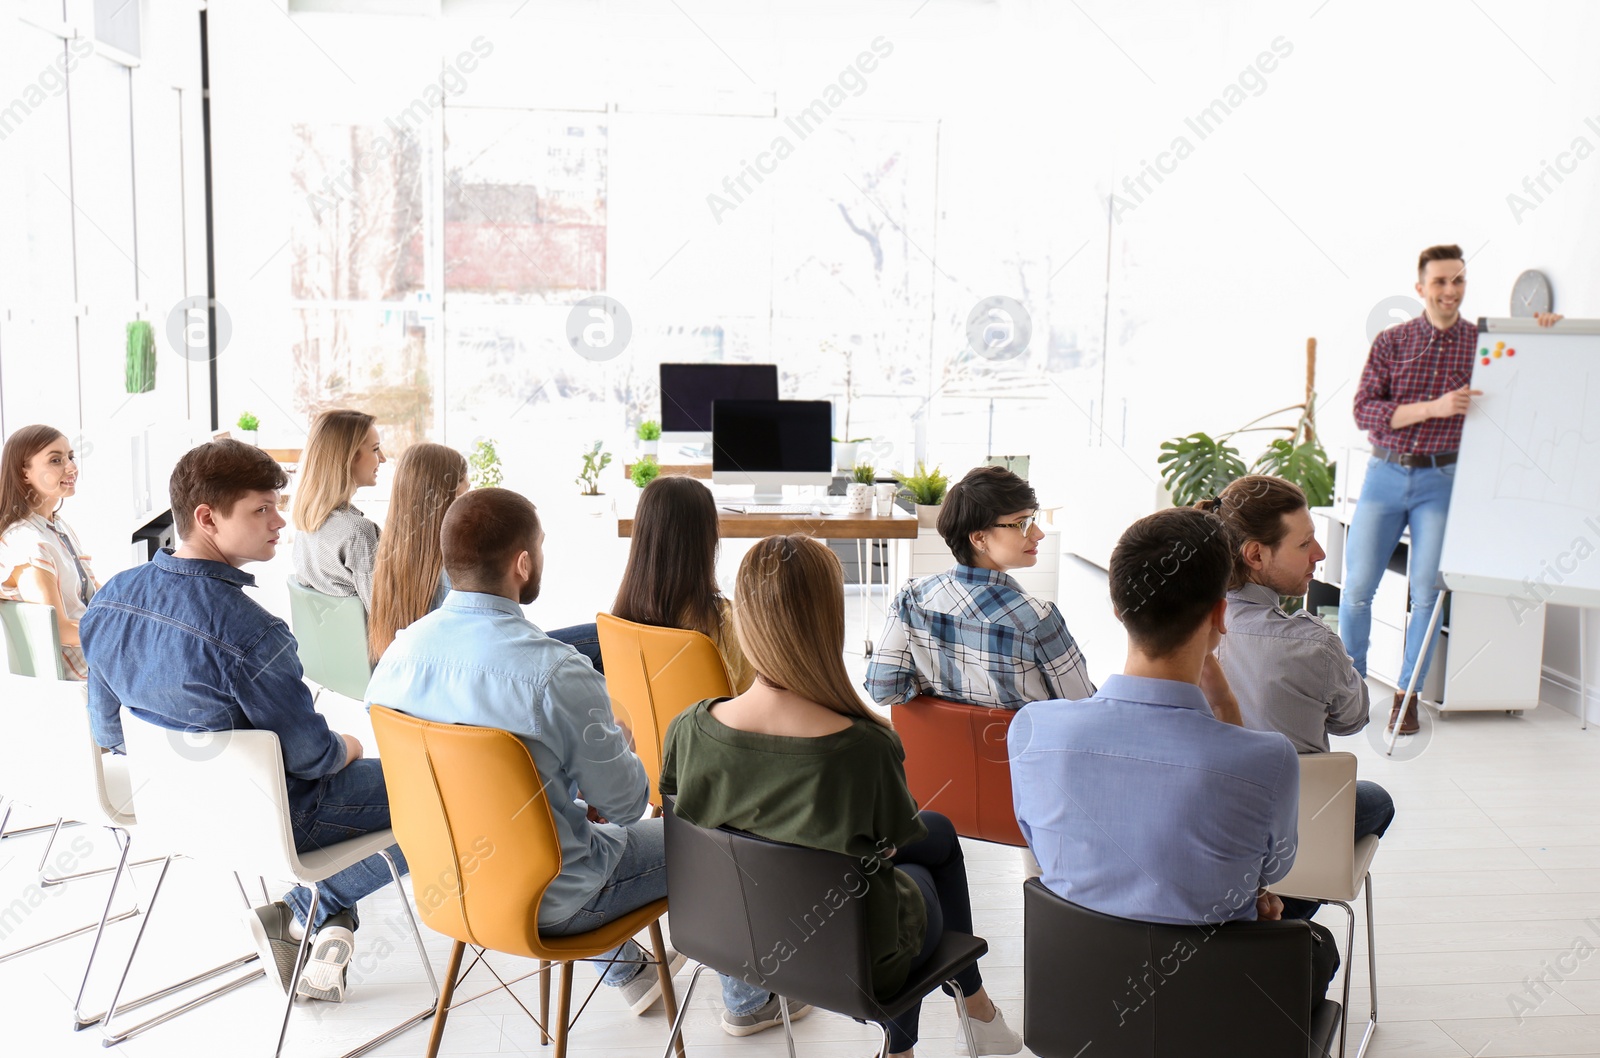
x,y
469,809
653,674
957,764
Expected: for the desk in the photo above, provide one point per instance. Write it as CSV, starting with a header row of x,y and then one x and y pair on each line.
x,y
857,527
668,470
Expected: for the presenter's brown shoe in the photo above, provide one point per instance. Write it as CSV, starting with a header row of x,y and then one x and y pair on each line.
x,y
1408,725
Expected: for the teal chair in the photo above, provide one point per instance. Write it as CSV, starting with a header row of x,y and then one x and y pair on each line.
x,y
33,645
331,634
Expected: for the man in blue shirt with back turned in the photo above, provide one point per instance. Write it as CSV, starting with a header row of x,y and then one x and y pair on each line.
x,y
179,644
1139,802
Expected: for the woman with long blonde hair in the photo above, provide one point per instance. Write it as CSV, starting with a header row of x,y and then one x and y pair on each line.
x,y
800,758
335,544
408,578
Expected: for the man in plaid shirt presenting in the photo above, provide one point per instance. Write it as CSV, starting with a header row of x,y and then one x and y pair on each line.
x,y
1413,396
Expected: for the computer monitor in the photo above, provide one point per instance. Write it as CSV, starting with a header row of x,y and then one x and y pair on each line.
x,y
771,443
688,390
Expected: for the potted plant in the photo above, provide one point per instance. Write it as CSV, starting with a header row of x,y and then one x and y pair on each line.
x,y
595,460
1198,466
248,425
859,492
926,488
483,465
649,437
645,471
844,453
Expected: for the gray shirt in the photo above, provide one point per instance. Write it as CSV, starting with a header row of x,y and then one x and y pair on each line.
x,y
1290,672
336,559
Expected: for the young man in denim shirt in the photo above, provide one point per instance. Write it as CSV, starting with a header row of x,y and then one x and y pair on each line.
x,y
179,644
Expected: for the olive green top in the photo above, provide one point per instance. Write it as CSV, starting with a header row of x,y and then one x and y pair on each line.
x,y
845,792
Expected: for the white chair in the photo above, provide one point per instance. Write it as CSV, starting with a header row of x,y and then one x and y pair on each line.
x,y
33,648
221,797
1331,867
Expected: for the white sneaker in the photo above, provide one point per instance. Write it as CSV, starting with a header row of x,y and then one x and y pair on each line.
x,y
642,992
992,1037
324,974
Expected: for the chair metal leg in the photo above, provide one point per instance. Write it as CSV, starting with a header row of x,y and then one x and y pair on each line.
x,y
544,1001
883,1048
669,998
442,1011
50,843
563,1009
788,1027
96,928
1349,955
299,966
675,1037
77,1004
46,881
966,1022
1372,976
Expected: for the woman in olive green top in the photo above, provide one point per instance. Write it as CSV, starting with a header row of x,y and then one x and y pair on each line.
x,y
799,758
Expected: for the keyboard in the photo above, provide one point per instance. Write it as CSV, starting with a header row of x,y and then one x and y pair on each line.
x,y
770,508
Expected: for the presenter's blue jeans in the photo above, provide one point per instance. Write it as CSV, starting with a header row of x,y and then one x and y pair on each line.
x,y
1393,497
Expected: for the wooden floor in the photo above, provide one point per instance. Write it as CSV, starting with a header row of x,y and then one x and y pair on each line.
x,y
1488,880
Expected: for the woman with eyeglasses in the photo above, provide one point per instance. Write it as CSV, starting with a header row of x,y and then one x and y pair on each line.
x,y
41,560
971,634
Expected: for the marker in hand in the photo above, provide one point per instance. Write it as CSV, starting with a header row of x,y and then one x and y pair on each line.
x,y
1456,402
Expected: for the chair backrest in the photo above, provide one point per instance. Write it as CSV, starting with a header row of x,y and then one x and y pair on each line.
x,y
652,675
470,813
33,642
957,763
785,918
218,796
47,754
330,635
1142,990
1325,847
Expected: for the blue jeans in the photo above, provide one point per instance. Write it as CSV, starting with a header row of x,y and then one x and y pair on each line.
x,y
1392,497
639,878
354,802
585,639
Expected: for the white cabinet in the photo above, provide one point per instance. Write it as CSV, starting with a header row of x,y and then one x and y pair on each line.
x,y
1041,580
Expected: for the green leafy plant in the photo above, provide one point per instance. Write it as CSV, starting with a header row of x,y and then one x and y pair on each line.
x,y
1197,466
248,422
649,430
852,441
926,487
864,474
139,366
594,461
645,471
483,465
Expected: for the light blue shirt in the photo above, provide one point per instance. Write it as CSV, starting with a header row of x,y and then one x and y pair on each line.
x,y
477,660
1139,803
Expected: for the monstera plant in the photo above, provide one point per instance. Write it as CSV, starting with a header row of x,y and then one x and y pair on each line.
x,y
1196,466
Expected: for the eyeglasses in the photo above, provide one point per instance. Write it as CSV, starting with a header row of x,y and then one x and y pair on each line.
x,y
1021,526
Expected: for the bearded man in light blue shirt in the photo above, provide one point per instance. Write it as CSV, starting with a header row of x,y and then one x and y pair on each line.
x,y
477,660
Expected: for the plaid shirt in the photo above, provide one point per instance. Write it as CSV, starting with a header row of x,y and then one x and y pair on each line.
x,y
1411,362
973,635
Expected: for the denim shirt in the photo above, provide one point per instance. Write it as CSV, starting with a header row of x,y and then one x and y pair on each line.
x,y
477,660
179,644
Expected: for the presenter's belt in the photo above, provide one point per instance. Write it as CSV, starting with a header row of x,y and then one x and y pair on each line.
x,y
1413,459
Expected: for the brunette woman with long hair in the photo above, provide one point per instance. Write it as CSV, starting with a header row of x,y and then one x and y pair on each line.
x,y
335,544
671,577
800,758
41,560
408,578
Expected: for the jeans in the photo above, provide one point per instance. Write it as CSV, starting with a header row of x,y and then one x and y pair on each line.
x,y
1374,813
1392,497
585,639
354,802
935,863
640,877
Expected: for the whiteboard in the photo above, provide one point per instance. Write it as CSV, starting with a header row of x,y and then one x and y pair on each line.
x,y
1525,509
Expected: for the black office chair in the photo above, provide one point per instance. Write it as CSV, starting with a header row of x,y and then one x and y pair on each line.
x,y
1144,990
790,920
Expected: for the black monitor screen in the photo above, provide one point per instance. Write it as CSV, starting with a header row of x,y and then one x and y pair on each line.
x,y
763,436
687,391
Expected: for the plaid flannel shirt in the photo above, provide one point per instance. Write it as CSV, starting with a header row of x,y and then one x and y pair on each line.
x,y
1411,362
973,635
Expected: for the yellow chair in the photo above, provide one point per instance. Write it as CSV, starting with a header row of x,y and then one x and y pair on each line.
x,y
468,807
653,674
